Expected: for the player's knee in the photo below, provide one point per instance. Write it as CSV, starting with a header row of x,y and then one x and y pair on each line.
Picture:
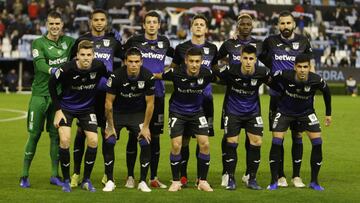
x,y
92,141
232,139
204,146
257,141
34,136
176,147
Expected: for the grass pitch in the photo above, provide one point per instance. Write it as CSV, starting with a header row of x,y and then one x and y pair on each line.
x,y
339,173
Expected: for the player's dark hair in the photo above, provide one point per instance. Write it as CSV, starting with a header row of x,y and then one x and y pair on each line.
x,y
54,14
286,13
194,51
249,49
85,44
98,11
133,51
301,58
200,16
152,13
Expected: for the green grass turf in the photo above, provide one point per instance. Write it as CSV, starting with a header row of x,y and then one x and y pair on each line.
x,y
339,173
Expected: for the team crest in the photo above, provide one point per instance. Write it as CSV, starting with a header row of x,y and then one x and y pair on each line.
x,y
64,45
206,50
109,82
253,82
92,75
160,44
35,53
141,84
106,42
200,81
307,88
295,45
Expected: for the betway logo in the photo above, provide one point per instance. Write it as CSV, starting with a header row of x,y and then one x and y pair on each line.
x,y
57,61
236,58
206,62
153,56
284,57
102,56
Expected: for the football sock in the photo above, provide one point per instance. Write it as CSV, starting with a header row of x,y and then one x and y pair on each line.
x,y
79,148
30,149
197,160
247,146
90,156
155,155
223,154
274,158
281,172
184,160
64,155
54,153
109,156
131,153
254,160
204,163
316,158
145,158
297,152
231,158
175,164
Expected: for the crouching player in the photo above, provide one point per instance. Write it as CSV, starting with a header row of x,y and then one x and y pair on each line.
x,y
78,80
298,88
130,103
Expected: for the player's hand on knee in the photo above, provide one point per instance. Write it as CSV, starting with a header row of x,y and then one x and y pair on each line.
x,y
59,115
145,134
109,131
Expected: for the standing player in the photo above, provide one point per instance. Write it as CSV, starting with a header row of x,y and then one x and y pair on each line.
x,y
298,88
154,48
186,112
231,48
107,45
78,79
242,110
278,53
199,28
49,52
131,95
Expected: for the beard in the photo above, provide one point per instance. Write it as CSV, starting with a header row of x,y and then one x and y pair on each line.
x,y
287,32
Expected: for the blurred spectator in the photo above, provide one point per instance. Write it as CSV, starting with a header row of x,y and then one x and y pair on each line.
x,y
330,60
12,80
17,7
353,56
26,80
33,10
2,81
14,38
2,29
175,15
351,86
344,62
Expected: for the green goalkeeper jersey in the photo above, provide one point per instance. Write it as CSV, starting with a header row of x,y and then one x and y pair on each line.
x,y
48,54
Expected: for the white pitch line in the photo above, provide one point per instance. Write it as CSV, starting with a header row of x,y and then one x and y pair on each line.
x,y
24,115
